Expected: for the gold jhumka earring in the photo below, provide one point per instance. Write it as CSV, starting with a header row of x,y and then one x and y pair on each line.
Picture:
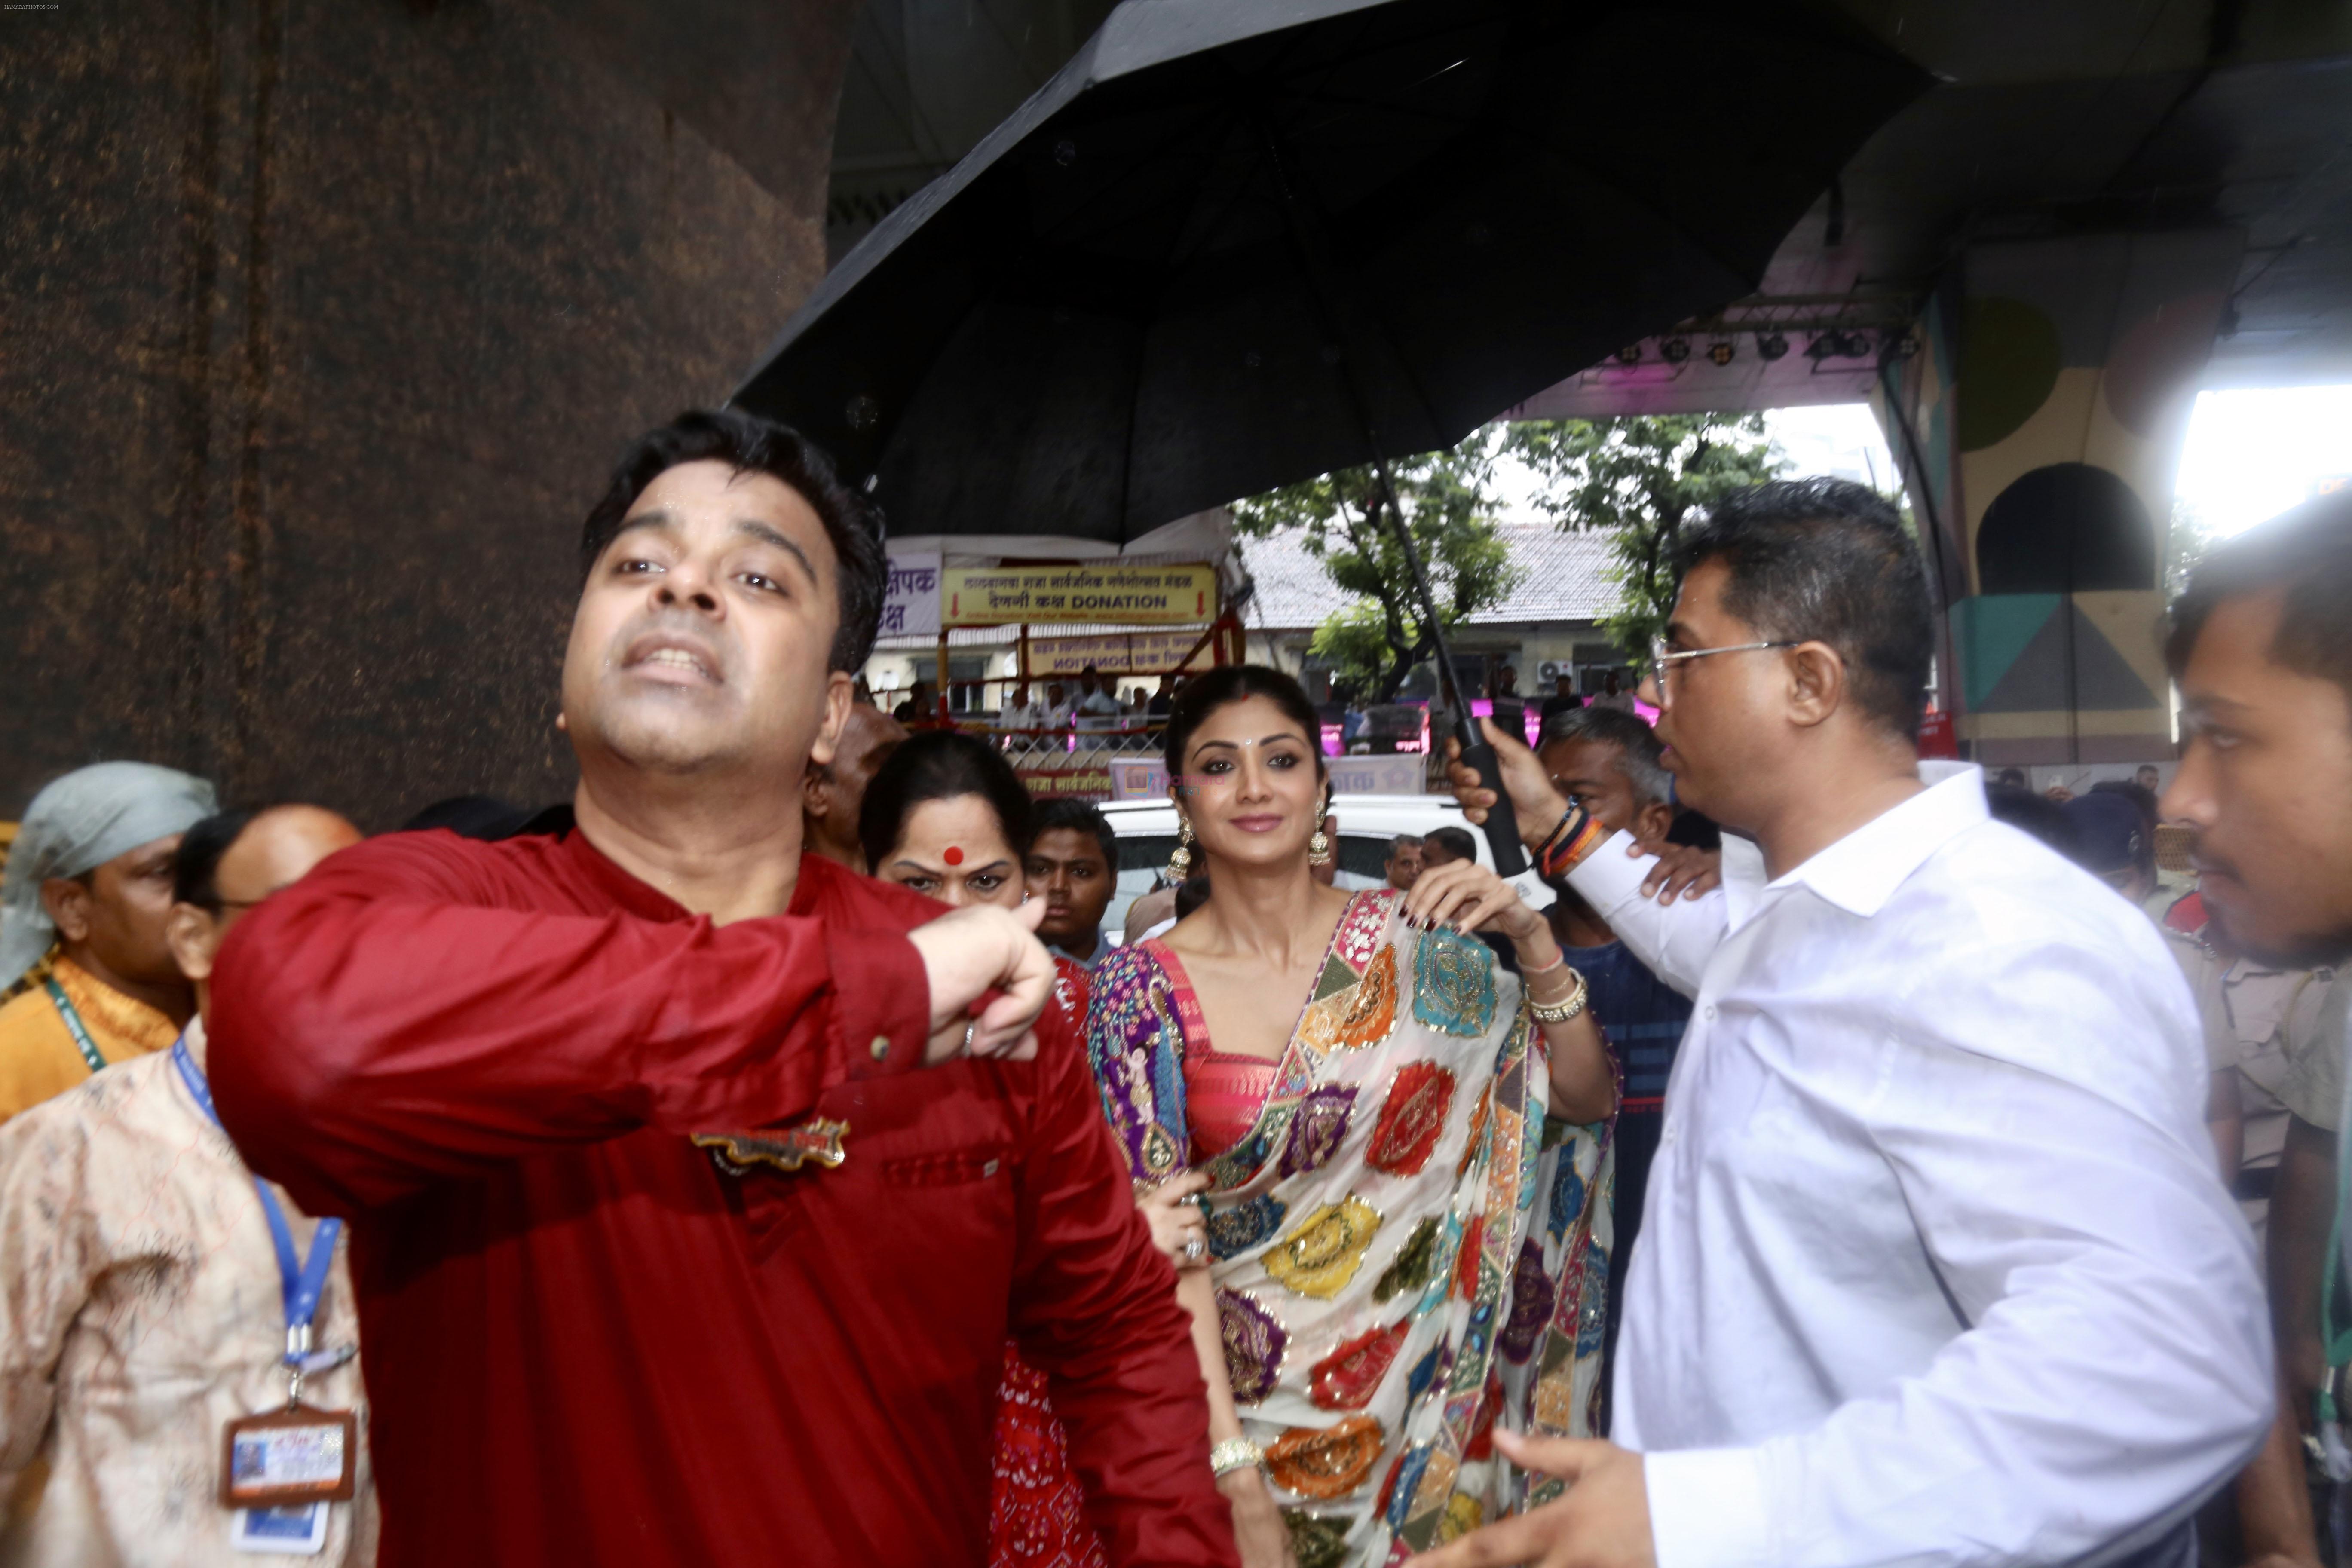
x,y
1179,863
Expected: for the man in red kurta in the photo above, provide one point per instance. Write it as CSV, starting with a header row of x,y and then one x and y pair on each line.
x,y
593,1340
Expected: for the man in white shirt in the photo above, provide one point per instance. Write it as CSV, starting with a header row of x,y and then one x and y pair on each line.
x,y
1609,696
1935,1266
1020,714
1098,707
1057,707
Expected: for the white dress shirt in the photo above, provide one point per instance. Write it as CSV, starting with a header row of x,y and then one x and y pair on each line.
x,y
1935,1268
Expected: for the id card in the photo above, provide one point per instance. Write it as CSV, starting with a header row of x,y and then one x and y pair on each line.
x,y
289,1457
297,1530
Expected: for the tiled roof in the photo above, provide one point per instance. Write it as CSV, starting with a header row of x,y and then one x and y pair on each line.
x,y
1562,578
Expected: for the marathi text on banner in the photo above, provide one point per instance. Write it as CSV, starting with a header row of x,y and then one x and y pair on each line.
x,y
911,599
1079,783
1045,596
1120,653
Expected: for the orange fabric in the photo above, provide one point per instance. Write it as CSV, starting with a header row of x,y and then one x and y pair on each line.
x,y
39,1060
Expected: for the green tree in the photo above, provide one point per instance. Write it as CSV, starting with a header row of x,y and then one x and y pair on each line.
x,y
1638,476
1374,641
2185,545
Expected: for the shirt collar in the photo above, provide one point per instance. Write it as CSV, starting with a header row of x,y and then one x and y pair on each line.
x,y
1861,871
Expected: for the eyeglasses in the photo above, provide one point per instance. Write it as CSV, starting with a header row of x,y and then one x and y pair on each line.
x,y
1662,661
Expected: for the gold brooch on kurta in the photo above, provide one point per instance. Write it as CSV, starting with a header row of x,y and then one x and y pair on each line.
x,y
784,1148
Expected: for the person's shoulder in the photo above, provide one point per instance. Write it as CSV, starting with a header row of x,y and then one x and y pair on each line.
x,y
106,1115
29,1010
1124,973
2017,924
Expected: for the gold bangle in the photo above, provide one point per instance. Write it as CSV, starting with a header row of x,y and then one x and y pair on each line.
x,y
1561,1011
1234,1454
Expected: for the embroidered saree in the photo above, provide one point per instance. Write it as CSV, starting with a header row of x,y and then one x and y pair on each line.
x,y
1403,1253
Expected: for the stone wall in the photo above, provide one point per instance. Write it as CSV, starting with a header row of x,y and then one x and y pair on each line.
x,y
321,326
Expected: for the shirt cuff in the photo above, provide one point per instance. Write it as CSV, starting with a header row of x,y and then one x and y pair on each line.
x,y
881,1002
1607,878
1707,1508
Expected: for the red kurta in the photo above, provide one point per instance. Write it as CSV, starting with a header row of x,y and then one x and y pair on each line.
x,y
586,1343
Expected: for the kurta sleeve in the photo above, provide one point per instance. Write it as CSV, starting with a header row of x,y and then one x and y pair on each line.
x,y
1138,1063
402,1015
49,1252
1095,1308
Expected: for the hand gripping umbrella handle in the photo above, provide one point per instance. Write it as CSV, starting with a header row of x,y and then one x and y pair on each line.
x,y
1502,822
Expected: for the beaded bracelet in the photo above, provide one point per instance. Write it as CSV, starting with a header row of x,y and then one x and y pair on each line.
x,y
1569,843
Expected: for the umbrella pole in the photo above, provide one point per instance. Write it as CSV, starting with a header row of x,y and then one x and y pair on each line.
x,y
1502,822
1501,826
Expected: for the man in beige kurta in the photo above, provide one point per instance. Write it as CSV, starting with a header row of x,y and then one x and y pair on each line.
x,y
139,1297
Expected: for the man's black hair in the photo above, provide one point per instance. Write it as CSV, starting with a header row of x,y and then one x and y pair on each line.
x,y
1640,757
752,444
1080,817
195,864
1827,561
1454,841
2303,553
2037,815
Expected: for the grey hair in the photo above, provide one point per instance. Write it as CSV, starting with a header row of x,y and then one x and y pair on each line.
x,y
1639,756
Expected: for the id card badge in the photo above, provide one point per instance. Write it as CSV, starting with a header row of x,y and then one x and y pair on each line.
x,y
297,1531
289,1457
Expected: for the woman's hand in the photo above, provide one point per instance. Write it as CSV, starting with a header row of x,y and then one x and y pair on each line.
x,y
1468,897
1258,1530
1178,1229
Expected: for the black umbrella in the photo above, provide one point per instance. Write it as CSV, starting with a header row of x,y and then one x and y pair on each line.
x,y
1234,243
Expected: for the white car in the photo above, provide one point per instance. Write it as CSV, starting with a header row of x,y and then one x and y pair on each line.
x,y
1367,824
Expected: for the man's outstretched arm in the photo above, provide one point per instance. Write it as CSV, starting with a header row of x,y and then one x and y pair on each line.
x,y
396,1019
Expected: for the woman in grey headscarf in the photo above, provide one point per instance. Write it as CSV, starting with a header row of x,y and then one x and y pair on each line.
x,y
91,873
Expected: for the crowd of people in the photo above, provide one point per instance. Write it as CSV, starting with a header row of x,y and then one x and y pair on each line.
x,y
770,1151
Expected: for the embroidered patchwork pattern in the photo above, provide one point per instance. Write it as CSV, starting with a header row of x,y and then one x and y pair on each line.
x,y
1348,1377
1327,1462
1319,1257
1412,1120
1453,983
1254,1340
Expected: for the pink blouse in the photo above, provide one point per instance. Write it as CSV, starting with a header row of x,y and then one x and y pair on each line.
x,y
1224,1091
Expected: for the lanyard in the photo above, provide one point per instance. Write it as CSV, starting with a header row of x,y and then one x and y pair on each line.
x,y
299,1284
74,1025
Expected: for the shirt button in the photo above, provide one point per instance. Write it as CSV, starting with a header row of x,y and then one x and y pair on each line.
x,y
1710,1012
880,1047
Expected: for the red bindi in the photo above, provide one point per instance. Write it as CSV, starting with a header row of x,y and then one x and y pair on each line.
x,y
954,856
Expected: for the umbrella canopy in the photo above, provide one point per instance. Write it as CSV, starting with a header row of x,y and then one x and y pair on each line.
x,y
1234,243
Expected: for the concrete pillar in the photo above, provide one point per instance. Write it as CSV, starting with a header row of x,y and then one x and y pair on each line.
x,y
325,325
2039,432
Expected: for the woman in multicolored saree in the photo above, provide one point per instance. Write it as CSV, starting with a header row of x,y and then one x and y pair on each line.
x,y
1403,1249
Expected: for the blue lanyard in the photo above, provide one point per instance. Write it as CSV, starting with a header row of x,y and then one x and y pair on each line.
x,y
299,1283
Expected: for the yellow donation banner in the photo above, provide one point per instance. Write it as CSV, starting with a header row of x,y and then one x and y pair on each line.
x,y
1063,596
